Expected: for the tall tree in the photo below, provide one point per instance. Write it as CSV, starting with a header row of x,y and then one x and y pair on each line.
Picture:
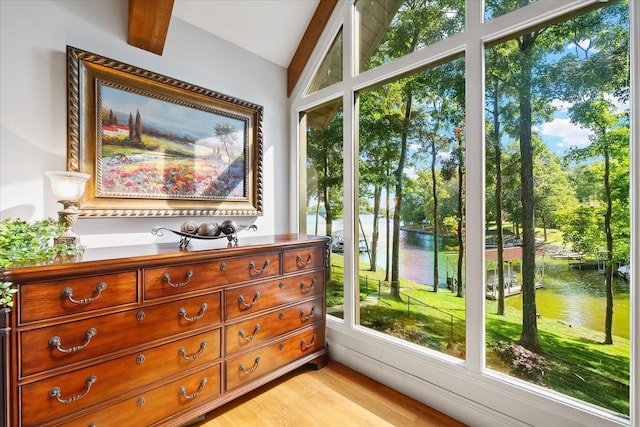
x,y
138,128
592,78
417,24
454,167
324,158
226,132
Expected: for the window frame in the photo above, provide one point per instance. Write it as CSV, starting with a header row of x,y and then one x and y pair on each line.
x,y
435,378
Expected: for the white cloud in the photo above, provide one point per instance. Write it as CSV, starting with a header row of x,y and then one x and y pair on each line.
x,y
561,105
570,134
617,104
584,44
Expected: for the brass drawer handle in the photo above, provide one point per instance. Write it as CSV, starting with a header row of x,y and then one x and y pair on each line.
x,y
183,391
182,352
167,278
302,264
252,303
306,288
183,313
57,392
252,369
304,317
305,346
250,337
68,294
57,342
252,266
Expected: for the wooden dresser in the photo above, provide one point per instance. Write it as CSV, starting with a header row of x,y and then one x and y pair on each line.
x,y
156,335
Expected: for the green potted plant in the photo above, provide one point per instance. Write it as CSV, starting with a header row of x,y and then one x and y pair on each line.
x,y
6,294
23,242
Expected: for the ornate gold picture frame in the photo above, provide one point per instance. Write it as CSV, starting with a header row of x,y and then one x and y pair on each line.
x,y
157,146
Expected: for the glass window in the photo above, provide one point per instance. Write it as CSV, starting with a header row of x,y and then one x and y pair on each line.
x,y
330,70
323,213
557,207
549,312
496,8
390,29
411,187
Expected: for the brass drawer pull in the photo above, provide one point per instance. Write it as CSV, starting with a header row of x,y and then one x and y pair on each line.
x,y
304,317
252,266
183,391
302,264
167,278
306,288
182,352
57,392
183,313
305,346
68,294
250,337
252,303
56,342
253,368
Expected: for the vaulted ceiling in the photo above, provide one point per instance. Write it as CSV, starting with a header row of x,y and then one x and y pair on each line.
x,y
282,31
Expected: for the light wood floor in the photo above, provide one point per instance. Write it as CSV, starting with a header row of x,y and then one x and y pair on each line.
x,y
333,396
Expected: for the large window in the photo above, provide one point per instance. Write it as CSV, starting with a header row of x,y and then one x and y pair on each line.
x,y
484,201
323,214
558,213
411,210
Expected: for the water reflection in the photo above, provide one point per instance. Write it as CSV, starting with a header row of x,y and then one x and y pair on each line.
x,y
572,296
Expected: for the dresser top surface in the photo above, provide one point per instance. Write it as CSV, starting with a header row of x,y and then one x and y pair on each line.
x,y
135,256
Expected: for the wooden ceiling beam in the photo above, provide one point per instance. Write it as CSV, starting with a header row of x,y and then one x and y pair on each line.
x,y
149,24
308,43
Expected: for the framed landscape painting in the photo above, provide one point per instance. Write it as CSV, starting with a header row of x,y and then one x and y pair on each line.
x,y
156,146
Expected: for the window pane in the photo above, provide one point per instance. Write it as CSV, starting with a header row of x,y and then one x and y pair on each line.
x,y
557,207
323,214
496,8
390,29
411,185
330,70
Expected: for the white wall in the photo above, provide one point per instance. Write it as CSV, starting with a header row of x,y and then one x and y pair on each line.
x,y
33,136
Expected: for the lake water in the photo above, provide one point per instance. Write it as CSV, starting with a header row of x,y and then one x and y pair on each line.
x,y
575,297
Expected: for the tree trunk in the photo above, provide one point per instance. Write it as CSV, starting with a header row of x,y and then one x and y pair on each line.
x,y
461,219
373,250
387,270
395,247
498,196
608,339
529,337
434,194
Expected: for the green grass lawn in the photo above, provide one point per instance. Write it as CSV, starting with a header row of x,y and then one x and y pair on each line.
x,y
580,365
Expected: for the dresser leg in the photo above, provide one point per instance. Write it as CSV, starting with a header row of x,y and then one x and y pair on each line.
x,y
322,360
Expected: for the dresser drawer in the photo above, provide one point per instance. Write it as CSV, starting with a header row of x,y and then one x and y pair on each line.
x,y
249,333
261,361
84,387
250,299
157,404
301,259
180,279
58,345
58,298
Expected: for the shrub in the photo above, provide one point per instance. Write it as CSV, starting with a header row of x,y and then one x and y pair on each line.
x,y
523,363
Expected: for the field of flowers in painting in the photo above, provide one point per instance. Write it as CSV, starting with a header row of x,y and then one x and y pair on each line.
x,y
160,168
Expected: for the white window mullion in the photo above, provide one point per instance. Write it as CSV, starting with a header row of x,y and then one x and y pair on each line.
x,y
475,212
634,411
350,179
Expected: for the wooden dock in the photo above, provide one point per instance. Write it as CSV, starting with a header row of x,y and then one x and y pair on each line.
x,y
492,290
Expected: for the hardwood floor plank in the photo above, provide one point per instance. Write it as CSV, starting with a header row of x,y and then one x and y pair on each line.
x,y
334,396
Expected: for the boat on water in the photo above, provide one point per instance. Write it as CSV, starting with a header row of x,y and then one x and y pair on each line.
x,y
337,244
624,271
